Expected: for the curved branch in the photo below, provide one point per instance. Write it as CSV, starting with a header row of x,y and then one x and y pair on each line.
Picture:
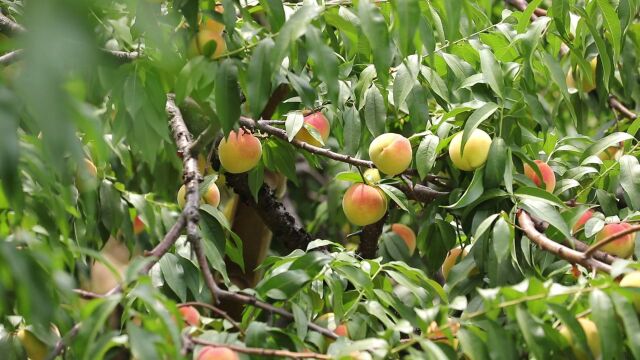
x,y
559,250
216,311
61,344
11,57
609,239
616,105
262,351
10,27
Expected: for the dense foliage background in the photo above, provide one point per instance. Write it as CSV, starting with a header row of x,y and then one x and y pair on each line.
x,y
89,80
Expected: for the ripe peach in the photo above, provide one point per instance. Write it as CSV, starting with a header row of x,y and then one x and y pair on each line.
x,y
364,204
475,153
371,176
438,335
407,235
190,315
593,339
138,225
452,259
547,175
391,153
585,84
623,246
35,348
86,176
212,195
632,279
319,122
217,353
328,321
199,43
582,220
240,152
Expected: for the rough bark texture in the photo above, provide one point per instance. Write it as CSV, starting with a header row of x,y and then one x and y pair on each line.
x,y
272,212
368,247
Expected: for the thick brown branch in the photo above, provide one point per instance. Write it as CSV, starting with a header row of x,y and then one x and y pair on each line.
x,y
272,212
369,236
10,57
276,98
616,105
263,352
184,141
10,27
611,238
564,252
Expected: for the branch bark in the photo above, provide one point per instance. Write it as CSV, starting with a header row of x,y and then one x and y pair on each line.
x,y
369,238
562,251
272,212
10,57
616,105
10,27
216,311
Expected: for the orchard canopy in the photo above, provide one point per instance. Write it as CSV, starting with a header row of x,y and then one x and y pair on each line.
x,y
325,179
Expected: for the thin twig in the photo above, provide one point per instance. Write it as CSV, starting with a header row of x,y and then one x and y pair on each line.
x,y
616,105
262,351
10,57
611,238
564,252
215,310
61,344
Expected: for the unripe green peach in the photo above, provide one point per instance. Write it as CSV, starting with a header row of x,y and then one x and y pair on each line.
x,y
217,353
621,247
371,176
585,84
452,259
582,220
320,123
546,171
86,176
182,196
391,153
407,235
240,152
632,279
593,339
364,204
475,153
190,315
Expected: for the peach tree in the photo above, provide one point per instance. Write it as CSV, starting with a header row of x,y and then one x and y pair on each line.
x,y
334,179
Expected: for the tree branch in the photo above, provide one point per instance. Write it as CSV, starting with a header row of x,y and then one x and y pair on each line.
x,y
611,238
419,192
183,141
369,238
261,351
276,98
10,27
61,344
216,311
616,105
10,57
564,252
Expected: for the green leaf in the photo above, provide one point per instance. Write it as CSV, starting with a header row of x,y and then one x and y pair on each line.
x,y
604,59
259,72
375,112
538,194
284,285
293,123
352,130
375,29
214,241
492,72
426,154
568,319
396,195
275,13
502,239
602,144
227,95
256,180
402,85
473,192
325,61
172,273
294,28
630,180
472,345
496,163
408,16
351,176
499,342
604,316
476,119
525,18
627,313
533,333
612,23
560,11
417,102
543,211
